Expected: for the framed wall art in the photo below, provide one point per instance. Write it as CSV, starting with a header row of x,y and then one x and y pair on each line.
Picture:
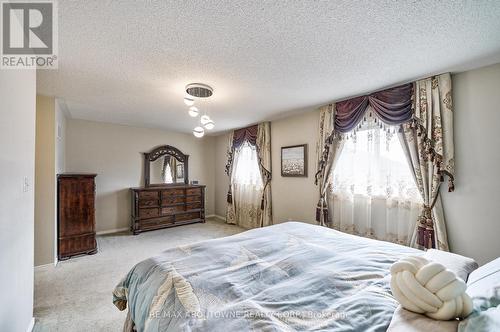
x,y
294,161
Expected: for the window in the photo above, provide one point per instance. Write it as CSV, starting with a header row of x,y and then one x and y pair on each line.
x,y
373,192
168,174
247,186
246,166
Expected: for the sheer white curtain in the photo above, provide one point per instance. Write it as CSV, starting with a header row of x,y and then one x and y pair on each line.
x,y
372,191
247,186
168,174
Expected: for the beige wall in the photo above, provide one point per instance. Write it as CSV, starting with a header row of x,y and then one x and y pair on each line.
x,y
45,179
292,198
114,152
473,210
49,161
17,163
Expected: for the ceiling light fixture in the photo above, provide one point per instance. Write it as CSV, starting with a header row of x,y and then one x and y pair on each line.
x,y
199,92
189,101
198,132
204,119
193,111
209,125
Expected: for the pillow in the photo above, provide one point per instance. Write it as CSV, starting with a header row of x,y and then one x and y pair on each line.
x,y
404,320
460,265
407,321
483,281
483,287
427,287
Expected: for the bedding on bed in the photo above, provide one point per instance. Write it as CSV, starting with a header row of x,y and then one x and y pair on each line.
x,y
287,277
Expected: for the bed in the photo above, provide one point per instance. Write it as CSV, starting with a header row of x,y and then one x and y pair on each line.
x,y
287,277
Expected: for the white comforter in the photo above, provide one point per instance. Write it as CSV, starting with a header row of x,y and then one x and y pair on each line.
x,y
288,277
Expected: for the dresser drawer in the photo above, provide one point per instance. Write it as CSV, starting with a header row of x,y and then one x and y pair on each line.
x,y
193,198
148,195
193,191
172,200
157,222
148,213
194,205
172,209
172,191
147,203
187,216
166,206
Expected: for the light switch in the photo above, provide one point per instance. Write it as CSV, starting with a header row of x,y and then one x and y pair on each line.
x,y
26,185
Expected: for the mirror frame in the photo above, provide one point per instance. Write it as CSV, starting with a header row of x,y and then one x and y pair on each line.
x,y
159,152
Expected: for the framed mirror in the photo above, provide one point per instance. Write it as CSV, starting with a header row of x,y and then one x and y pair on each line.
x,y
165,165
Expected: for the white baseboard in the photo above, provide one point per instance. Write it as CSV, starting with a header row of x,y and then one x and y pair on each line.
x,y
219,217
32,324
110,231
45,265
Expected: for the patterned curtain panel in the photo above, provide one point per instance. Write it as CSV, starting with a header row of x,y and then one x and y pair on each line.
x,y
428,145
263,144
423,110
328,150
173,168
249,170
247,187
230,213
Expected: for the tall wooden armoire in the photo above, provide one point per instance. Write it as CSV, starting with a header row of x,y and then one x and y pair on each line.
x,y
76,215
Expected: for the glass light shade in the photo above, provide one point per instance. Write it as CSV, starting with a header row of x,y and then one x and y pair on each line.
x,y
189,101
193,111
204,119
209,125
198,132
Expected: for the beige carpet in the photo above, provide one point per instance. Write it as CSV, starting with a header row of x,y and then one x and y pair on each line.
x,y
76,295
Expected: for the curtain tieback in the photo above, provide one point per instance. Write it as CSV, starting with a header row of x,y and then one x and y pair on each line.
x,y
321,212
229,198
426,236
451,185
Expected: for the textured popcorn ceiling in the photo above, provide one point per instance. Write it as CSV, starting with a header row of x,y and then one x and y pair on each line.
x,y
127,62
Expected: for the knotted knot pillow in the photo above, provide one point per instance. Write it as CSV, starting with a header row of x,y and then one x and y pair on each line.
x,y
428,288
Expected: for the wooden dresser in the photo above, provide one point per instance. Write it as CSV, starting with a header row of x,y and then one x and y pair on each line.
x,y
167,206
75,214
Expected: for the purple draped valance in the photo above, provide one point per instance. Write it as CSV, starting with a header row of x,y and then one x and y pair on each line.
x,y
245,134
392,106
